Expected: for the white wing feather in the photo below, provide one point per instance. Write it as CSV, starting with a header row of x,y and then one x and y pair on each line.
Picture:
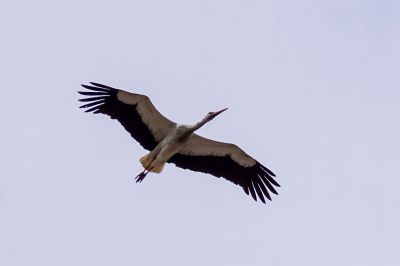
x,y
158,124
201,146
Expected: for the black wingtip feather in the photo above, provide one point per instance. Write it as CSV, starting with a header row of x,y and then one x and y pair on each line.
x,y
91,99
265,190
96,89
259,193
246,190
93,103
102,86
93,93
267,183
93,109
252,192
267,170
271,180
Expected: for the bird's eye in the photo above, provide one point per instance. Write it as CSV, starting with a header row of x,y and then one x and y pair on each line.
x,y
210,113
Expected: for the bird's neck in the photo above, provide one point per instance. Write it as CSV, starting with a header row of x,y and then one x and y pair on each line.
x,y
199,124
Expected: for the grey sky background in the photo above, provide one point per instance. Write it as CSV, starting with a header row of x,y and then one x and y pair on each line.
x,y
313,91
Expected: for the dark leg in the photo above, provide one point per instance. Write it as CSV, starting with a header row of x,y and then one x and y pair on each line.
x,y
139,178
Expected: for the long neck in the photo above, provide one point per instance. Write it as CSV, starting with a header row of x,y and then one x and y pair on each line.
x,y
199,124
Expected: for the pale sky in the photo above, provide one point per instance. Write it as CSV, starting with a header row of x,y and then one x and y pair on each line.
x,y
313,90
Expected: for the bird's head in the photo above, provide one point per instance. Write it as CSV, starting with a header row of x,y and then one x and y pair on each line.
x,y
211,115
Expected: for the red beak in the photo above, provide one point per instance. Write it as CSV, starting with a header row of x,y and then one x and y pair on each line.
x,y
220,111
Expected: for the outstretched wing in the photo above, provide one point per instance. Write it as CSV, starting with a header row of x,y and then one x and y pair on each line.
x,y
134,111
228,161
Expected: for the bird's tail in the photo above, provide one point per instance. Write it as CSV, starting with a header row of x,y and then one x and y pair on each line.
x,y
148,162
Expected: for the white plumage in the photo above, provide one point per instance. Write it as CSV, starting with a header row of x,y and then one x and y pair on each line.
x,y
169,142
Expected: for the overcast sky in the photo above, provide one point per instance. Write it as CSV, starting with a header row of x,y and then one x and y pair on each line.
x,y
313,90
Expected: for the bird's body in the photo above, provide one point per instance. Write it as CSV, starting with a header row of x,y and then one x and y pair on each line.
x,y
169,142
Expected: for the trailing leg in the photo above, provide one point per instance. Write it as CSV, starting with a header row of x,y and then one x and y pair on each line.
x,y
146,162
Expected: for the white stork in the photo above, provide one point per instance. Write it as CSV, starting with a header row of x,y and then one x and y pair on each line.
x,y
170,142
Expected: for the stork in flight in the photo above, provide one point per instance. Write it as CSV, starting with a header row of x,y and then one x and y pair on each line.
x,y
169,142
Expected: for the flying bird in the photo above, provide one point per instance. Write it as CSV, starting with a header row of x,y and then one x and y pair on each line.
x,y
169,142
